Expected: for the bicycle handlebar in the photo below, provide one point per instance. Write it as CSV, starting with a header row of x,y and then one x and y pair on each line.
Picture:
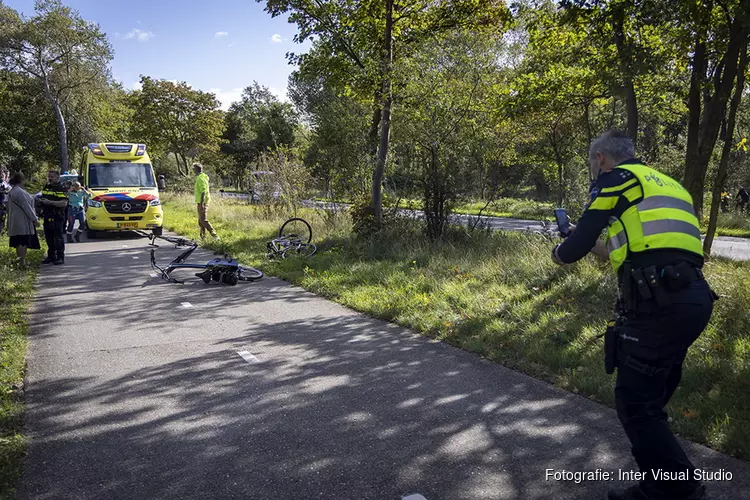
x,y
178,241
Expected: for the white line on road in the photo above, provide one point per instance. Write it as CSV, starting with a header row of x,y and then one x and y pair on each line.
x,y
186,305
154,275
415,496
247,356
136,258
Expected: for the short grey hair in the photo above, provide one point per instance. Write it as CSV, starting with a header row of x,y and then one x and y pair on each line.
x,y
614,144
198,166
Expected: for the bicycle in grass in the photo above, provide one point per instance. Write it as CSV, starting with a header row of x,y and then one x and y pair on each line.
x,y
221,270
294,240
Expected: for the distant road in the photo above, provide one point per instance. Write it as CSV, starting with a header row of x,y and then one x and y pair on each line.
x,y
724,246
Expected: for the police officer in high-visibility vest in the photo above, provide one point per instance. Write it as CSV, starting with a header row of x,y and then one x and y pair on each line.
x,y
653,242
54,203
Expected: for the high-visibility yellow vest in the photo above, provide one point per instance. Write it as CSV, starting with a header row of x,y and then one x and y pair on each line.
x,y
664,219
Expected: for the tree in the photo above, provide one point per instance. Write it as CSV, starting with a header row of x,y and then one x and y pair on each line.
x,y
444,88
59,49
721,174
556,87
339,126
174,118
719,34
257,123
27,126
367,39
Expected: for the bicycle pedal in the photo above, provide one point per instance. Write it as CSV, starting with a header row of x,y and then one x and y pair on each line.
x,y
205,276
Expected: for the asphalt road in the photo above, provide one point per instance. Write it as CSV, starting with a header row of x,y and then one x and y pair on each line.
x,y
139,389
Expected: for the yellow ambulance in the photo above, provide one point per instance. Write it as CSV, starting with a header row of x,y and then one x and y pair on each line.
x,y
123,186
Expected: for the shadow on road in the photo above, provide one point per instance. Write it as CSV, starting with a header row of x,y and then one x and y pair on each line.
x,y
338,405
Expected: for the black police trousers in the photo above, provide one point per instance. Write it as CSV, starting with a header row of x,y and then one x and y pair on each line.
x,y
652,346
54,233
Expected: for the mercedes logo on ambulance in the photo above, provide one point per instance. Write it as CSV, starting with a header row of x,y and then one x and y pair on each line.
x,y
126,207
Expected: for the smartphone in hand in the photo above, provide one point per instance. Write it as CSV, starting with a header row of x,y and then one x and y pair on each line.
x,y
563,222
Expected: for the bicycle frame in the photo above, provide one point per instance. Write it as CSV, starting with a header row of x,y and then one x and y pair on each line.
x,y
223,270
177,263
278,245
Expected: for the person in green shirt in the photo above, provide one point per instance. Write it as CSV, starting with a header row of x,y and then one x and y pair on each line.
x,y
202,199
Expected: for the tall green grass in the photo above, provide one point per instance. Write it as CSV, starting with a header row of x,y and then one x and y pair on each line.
x,y
16,290
733,224
499,295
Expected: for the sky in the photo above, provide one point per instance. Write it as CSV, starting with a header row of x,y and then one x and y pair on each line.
x,y
219,46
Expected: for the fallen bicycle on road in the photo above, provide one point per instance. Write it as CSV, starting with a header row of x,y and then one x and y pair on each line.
x,y
222,270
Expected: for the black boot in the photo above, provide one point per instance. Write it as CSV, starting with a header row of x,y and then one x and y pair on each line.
x,y
632,493
70,237
636,493
78,236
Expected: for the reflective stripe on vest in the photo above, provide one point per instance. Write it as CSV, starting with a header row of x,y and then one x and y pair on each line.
x,y
670,226
653,202
663,219
616,241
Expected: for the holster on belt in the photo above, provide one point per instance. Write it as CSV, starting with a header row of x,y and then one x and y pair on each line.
x,y
657,289
610,346
627,301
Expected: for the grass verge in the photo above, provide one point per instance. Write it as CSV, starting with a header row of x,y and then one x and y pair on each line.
x,y
499,295
733,224
16,290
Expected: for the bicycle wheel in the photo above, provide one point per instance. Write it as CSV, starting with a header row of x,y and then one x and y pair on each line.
x,y
296,228
249,274
304,250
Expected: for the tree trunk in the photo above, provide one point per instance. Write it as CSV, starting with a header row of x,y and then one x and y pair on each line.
x,y
372,136
721,175
62,130
385,122
625,56
560,168
182,164
692,163
697,159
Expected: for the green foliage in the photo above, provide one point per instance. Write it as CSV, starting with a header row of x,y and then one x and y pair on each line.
x,y
174,118
337,154
64,53
364,223
290,177
27,125
15,297
259,122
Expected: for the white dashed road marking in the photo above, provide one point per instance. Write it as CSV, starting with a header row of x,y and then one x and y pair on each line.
x,y
136,258
247,356
415,496
186,305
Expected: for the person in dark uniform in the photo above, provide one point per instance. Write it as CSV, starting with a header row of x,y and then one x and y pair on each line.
x,y
54,204
742,199
162,183
653,243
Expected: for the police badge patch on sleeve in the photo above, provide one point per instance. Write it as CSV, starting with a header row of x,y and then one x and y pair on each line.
x,y
592,195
